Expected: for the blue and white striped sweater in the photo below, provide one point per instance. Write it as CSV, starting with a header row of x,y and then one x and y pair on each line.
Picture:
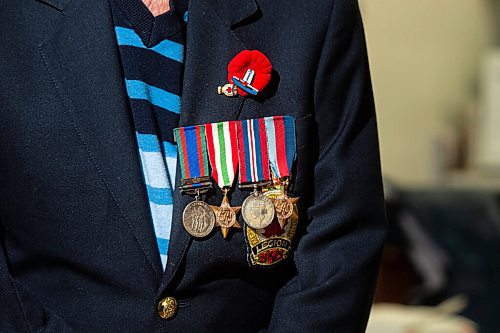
x,y
153,80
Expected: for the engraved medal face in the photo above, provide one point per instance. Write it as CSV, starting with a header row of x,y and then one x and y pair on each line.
x,y
283,206
257,211
198,219
226,217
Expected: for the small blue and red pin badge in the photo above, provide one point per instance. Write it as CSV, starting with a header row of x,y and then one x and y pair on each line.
x,y
249,72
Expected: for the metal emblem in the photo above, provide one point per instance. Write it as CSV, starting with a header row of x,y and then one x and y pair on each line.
x,y
284,206
198,219
167,308
229,90
257,210
225,215
273,244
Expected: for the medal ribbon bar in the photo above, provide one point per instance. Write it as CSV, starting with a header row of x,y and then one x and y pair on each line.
x,y
281,139
257,209
223,152
193,158
252,152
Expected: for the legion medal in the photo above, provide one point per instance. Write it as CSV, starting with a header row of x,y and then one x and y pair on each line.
x,y
280,131
257,209
223,154
271,245
198,218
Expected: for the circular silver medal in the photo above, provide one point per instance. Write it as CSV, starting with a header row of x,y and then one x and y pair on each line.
x,y
257,211
198,219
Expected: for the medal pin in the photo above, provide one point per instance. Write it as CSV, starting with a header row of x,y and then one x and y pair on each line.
x,y
223,155
284,205
198,218
225,215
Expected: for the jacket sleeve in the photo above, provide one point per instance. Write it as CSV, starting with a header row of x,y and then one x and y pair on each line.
x,y
338,257
19,311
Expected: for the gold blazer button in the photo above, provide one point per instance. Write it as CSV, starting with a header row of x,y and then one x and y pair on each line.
x,y
167,307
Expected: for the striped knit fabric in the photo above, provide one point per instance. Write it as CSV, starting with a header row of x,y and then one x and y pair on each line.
x,y
152,54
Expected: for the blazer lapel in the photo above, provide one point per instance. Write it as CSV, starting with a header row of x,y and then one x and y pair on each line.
x,y
82,57
210,46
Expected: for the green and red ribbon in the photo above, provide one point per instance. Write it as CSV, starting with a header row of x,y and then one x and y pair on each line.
x,y
256,146
193,159
223,151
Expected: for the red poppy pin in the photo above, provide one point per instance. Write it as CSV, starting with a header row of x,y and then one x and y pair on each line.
x,y
249,72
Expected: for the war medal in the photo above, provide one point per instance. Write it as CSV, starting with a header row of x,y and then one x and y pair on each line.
x,y
257,210
223,154
272,244
283,204
280,131
198,218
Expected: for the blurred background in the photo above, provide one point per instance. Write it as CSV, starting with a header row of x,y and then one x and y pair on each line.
x,y
436,76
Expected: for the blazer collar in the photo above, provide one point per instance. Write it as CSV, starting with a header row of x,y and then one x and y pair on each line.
x,y
83,60
60,5
234,11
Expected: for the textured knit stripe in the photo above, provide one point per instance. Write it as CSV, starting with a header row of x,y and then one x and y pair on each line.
x,y
153,79
139,90
167,48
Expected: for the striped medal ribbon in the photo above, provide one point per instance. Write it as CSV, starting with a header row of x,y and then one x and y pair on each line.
x,y
257,209
222,147
198,218
281,140
282,149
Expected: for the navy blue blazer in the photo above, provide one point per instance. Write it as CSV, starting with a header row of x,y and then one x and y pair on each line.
x,y
78,251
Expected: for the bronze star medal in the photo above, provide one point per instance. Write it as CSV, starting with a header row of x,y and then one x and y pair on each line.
x,y
222,150
225,215
284,208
